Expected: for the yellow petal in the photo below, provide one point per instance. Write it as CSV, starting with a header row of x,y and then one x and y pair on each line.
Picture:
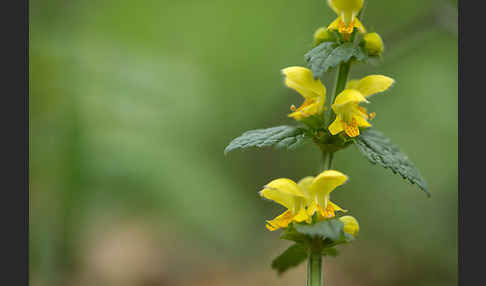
x,y
304,110
345,5
312,208
352,84
347,17
336,127
308,108
284,192
326,182
302,80
301,216
347,9
351,225
335,24
304,183
361,121
346,103
280,221
373,84
336,207
349,96
358,25
333,7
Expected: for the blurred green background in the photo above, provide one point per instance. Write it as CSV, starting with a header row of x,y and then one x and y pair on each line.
x,y
133,102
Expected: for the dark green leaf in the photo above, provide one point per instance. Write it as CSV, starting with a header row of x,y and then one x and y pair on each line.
x,y
293,256
329,54
379,150
292,234
360,54
289,137
332,229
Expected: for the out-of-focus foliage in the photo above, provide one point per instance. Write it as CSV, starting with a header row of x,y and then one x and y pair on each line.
x,y
133,102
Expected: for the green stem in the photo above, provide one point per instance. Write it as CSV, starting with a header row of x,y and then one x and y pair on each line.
x,y
314,264
314,270
323,165
329,161
340,83
326,162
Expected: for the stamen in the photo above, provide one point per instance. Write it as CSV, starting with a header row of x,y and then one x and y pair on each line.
x,y
293,108
372,115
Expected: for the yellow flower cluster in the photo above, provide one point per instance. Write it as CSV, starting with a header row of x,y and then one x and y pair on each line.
x,y
311,195
350,116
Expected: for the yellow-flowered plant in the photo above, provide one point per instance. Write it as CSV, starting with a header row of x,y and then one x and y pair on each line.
x,y
304,199
350,116
333,121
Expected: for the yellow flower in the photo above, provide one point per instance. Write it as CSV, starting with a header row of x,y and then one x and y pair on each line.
x,y
351,225
313,91
302,200
287,193
349,115
347,11
319,190
373,44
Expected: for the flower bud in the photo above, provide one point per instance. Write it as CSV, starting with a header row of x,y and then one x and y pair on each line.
x,y
322,35
373,44
351,225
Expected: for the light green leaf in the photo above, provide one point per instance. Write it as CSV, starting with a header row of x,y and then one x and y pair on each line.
x,y
379,150
331,228
293,256
284,136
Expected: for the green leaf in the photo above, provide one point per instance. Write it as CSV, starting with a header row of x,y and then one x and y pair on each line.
x,y
293,256
284,136
331,228
329,55
379,150
360,54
